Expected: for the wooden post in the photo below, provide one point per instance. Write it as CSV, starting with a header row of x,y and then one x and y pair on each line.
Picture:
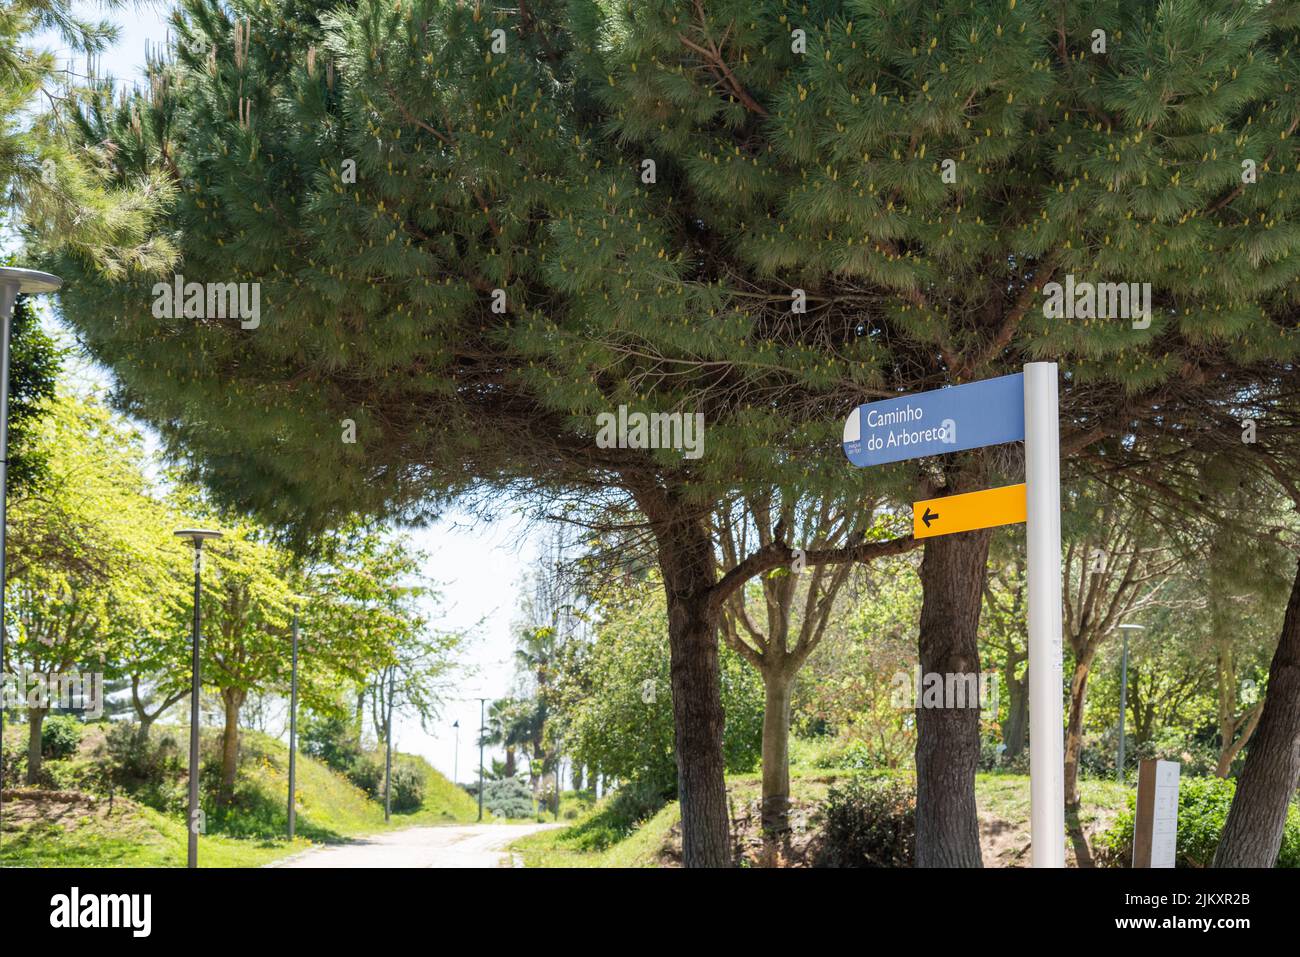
x,y
1155,829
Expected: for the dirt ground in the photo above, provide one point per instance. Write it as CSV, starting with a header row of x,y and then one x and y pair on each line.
x,y
1002,843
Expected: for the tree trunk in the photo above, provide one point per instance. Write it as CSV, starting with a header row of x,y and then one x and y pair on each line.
x,y
510,761
143,728
35,719
1074,727
947,739
1017,724
1230,741
1252,835
686,559
233,699
776,750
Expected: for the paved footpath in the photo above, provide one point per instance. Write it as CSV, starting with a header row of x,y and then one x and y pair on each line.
x,y
460,845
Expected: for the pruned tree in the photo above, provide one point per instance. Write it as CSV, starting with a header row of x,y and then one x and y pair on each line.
x,y
778,620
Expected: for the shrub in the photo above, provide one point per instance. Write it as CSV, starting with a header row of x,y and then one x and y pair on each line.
x,y
1203,805
62,776
367,773
991,762
507,797
615,817
868,822
331,739
408,788
149,769
60,736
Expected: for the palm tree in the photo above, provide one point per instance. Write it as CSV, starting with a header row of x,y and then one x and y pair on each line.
x,y
509,726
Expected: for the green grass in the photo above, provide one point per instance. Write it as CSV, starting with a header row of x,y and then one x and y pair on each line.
x,y
1006,796
130,835
563,847
329,809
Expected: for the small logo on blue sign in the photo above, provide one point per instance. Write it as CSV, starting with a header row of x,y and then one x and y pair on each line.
x,y
959,417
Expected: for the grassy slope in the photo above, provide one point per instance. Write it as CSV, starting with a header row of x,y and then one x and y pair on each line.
x,y
1002,800
329,808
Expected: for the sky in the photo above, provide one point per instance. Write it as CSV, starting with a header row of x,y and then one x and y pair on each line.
x,y
480,568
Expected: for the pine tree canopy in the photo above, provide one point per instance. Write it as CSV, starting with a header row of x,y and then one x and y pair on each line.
x,y
766,212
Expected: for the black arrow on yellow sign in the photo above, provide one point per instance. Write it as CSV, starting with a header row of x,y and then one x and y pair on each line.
x,y
963,513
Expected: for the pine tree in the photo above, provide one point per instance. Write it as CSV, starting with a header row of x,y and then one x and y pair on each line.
x,y
58,191
476,230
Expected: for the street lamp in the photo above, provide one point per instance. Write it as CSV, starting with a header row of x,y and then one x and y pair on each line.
x,y
197,536
1123,698
12,282
293,724
482,729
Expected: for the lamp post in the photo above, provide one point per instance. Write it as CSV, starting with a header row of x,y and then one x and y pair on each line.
x,y
388,747
481,730
12,283
197,537
455,762
1123,698
293,724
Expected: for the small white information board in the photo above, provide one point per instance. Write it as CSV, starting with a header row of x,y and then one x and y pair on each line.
x,y
1155,830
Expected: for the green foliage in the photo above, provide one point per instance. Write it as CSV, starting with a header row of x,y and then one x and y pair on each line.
x,y
61,192
60,736
408,788
853,755
367,773
612,819
150,770
507,797
619,704
1203,805
330,738
992,761
34,366
869,822
479,170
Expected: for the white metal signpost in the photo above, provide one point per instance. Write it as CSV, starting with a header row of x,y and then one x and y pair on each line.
x,y
992,412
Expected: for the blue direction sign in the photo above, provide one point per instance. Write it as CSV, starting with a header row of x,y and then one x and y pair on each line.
x,y
959,417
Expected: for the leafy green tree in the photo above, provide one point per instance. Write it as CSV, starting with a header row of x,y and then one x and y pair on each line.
x,y
617,703
1113,569
848,690
247,603
780,619
373,599
89,552
472,224
34,364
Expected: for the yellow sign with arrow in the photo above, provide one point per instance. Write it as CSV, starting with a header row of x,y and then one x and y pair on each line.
x,y
965,513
